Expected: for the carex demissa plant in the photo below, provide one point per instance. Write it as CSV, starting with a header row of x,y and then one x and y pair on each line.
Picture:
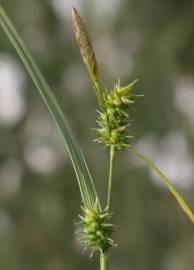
x,y
112,131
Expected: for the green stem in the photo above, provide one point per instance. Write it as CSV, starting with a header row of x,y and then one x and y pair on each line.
x,y
103,262
104,257
110,180
99,95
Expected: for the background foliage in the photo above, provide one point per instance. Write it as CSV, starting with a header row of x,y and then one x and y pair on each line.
x,y
39,200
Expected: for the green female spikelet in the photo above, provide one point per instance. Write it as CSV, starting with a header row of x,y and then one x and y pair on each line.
x,y
97,230
114,120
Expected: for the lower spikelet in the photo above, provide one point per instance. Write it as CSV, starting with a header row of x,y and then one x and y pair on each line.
x,y
96,230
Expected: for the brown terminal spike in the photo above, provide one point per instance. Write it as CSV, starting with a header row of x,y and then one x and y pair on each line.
x,y
85,45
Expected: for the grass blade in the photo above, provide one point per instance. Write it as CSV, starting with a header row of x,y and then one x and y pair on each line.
x,y
171,188
85,181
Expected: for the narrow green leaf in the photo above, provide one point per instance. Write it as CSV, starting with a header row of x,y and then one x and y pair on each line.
x,y
85,181
171,188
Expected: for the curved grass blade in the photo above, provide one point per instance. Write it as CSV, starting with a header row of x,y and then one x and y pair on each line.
x,y
171,188
85,181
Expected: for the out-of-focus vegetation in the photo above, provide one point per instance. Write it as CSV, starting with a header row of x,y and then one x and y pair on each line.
x,y
149,40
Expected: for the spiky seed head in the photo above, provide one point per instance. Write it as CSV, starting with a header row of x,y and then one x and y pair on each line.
x,y
96,229
85,45
114,120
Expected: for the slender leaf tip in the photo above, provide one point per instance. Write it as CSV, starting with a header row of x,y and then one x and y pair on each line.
x,y
168,184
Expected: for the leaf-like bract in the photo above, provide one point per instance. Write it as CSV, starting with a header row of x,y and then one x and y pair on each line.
x,y
171,188
85,181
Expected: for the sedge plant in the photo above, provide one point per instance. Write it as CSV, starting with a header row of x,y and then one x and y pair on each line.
x,y
112,131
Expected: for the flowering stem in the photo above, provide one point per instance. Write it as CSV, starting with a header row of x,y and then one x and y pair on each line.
x,y
103,262
110,181
98,94
104,257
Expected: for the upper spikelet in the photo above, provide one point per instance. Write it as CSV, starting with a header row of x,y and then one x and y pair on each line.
x,y
114,120
85,45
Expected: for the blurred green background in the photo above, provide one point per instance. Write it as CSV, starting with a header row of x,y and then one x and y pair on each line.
x,y
150,40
